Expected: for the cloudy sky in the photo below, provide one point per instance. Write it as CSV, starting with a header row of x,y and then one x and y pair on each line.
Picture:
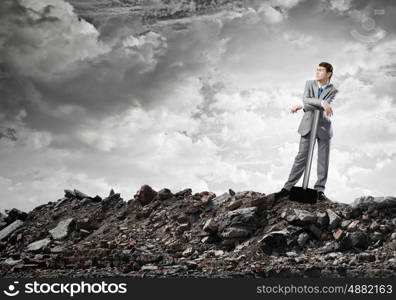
x,y
206,107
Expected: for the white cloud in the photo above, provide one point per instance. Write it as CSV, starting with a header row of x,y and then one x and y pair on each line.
x,y
270,14
340,5
301,40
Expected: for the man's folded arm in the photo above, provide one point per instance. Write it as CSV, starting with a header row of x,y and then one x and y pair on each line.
x,y
309,107
315,103
310,103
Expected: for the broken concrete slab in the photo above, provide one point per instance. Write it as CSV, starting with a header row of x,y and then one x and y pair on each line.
x,y
5,232
63,229
39,245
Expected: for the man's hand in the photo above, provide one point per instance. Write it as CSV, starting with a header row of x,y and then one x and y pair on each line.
x,y
328,109
295,108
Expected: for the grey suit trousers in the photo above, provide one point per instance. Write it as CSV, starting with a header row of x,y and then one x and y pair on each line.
x,y
301,160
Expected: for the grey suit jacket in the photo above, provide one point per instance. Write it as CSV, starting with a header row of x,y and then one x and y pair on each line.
x,y
312,102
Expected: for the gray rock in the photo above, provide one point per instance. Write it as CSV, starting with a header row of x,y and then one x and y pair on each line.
x,y
300,259
63,229
383,228
11,262
149,268
235,232
241,194
116,197
334,219
244,217
322,218
305,216
350,212
86,225
86,201
332,255
15,214
237,224
97,198
275,240
315,230
345,242
57,249
330,246
183,193
80,195
346,213
355,239
345,223
144,195
392,262
393,236
291,254
3,217
372,203
353,261
210,225
219,200
377,236
359,239
292,219
163,194
303,238
61,201
69,194
5,232
39,245
274,227
356,212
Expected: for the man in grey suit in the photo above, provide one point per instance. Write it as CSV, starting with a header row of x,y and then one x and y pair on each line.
x,y
318,94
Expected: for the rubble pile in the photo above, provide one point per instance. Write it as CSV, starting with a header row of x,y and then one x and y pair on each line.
x,y
165,234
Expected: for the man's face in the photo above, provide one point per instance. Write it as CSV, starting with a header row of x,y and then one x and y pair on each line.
x,y
321,74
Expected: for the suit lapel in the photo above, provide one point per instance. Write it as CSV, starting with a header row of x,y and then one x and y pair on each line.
x,y
325,91
316,87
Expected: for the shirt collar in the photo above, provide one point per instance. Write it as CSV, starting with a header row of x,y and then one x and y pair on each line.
x,y
323,86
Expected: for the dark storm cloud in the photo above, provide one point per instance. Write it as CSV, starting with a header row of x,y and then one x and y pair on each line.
x,y
84,78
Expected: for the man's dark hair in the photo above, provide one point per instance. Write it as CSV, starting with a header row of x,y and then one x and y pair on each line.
x,y
329,67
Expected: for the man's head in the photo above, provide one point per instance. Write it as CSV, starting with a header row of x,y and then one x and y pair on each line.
x,y
324,71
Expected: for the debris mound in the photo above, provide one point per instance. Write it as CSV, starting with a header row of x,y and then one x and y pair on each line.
x,y
165,234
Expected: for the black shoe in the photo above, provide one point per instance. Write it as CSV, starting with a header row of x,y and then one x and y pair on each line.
x,y
282,193
322,197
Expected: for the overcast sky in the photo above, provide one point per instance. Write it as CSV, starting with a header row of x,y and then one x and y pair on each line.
x,y
205,108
